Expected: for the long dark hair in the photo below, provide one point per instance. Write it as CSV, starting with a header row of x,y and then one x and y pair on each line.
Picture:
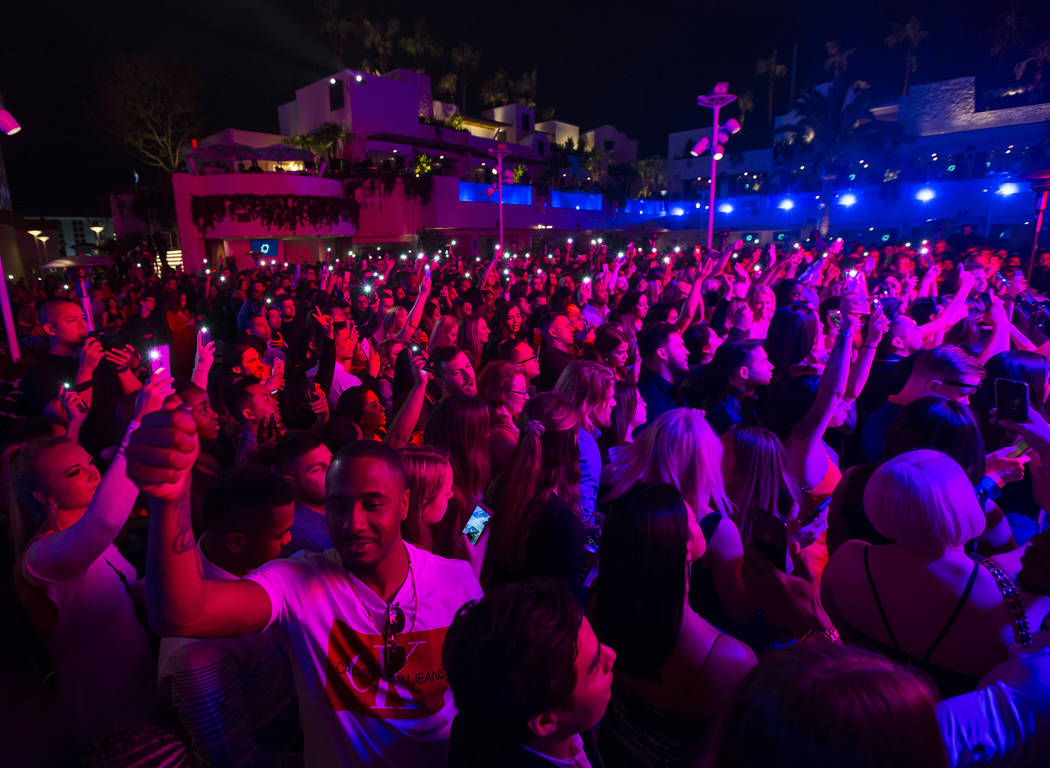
x,y
824,704
615,435
460,425
1029,367
943,425
791,336
640,592
546,464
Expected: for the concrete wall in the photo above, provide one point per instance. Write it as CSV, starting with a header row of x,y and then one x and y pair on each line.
x,y
949,106
624,149
560,132
513,114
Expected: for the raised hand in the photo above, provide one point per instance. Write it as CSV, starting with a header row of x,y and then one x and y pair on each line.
x,y
119,357
325,321
878,325
91,354
161,453
153,394
73,404
205,354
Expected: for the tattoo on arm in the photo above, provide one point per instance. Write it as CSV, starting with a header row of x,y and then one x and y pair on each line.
x,y
183,541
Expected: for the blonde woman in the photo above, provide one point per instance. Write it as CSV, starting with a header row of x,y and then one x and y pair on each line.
x,y
428,476
921,599
680,448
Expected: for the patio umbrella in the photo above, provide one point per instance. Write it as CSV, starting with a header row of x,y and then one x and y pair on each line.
x,y
283,153
81,262
224,153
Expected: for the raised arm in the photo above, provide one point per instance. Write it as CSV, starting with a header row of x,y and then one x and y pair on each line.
x,y
67,553
407,415
180,601
203,362
416,313
999,341
693,302
950,314
809,432
877,327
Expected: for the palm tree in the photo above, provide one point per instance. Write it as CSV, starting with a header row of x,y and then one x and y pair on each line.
x,y
1039,58
334,28
495,92
524,88
652,174
328,137
769,68
1007,34
597,164
833,127
421,45
745,102
908,35
381,39
447,85
465,59
838,59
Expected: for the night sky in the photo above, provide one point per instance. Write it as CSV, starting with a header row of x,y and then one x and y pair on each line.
x,y
636,65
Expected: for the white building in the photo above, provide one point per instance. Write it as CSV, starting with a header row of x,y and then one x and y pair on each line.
x,y
623,148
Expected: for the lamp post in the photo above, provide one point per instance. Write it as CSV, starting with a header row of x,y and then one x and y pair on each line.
x,y
499,153
97,229
718,97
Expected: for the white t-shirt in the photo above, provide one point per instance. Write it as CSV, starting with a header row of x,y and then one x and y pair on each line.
x,y
342,380
1006,721
227,689
352,715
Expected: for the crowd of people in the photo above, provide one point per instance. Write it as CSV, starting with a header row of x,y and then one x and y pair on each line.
x,y
760,506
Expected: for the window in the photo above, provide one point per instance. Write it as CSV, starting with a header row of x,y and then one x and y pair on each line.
x,y
525,126
541,147
336,99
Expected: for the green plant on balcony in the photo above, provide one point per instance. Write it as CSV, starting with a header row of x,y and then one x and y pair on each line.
x,y
424,165
288,212
456,122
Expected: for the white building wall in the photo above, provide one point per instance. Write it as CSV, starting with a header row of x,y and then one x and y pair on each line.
x,y
624,149
520,119
560,132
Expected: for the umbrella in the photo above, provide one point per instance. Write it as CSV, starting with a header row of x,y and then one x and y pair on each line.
x,y
224,153
283,153
77,261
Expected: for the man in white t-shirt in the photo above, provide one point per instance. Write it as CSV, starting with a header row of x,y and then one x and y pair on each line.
x,y
363,623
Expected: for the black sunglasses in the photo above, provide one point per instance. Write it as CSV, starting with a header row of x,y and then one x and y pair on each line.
x,y
394,655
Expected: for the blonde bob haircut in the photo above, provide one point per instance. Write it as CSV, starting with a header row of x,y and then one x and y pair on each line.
x,y
923,500
679,448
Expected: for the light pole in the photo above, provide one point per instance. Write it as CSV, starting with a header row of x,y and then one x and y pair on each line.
x,y
97,229
499,153
36,233
718,97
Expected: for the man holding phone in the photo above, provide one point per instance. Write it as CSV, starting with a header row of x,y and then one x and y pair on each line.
x,y
71,359
363,623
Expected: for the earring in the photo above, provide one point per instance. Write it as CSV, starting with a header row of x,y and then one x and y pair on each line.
x,y
52,507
